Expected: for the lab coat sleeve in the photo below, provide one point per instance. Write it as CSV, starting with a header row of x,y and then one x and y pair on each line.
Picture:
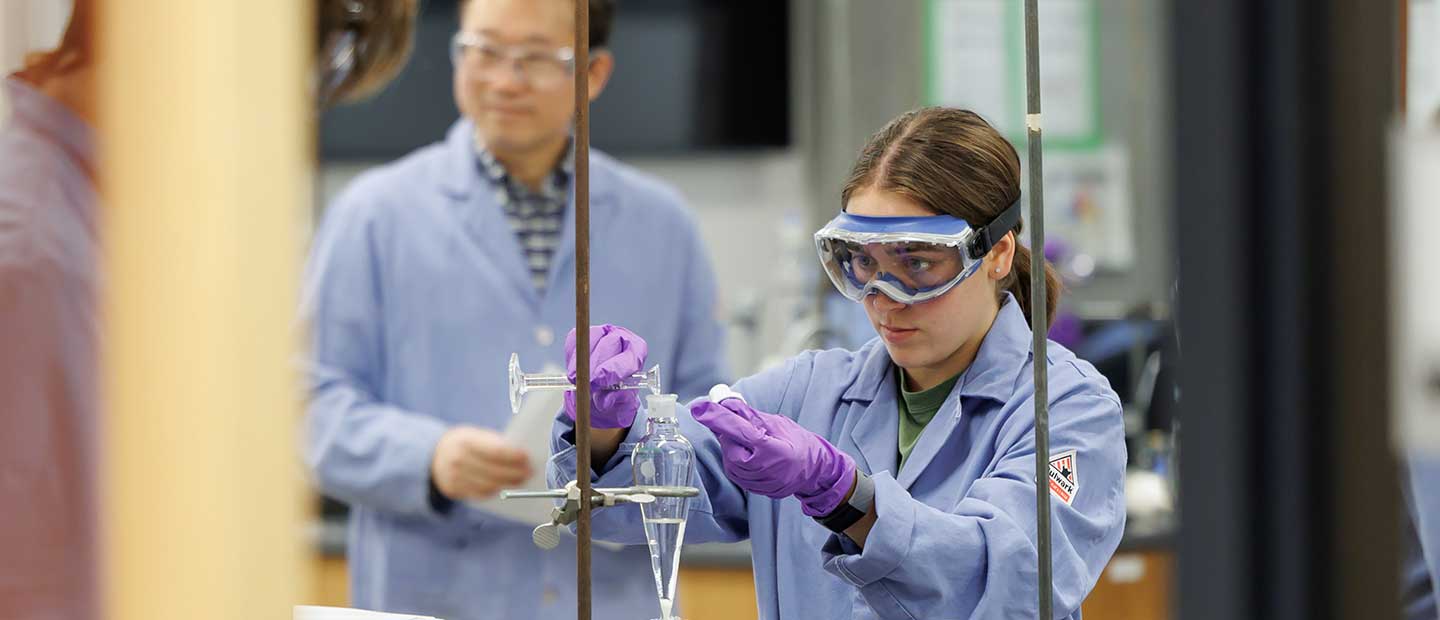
x,y
359,449
700,358
978,559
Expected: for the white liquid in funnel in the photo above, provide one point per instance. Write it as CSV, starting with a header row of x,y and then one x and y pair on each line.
x,y
664,458
665,537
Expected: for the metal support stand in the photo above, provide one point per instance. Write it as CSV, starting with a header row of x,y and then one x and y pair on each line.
x,y
547,535
1038,307
582,303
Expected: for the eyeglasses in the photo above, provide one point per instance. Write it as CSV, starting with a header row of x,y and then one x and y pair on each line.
x,y
541,69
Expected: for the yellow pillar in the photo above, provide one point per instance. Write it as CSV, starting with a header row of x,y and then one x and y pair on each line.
x,y
206,134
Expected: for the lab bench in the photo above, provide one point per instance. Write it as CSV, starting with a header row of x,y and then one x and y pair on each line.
x,y
717,584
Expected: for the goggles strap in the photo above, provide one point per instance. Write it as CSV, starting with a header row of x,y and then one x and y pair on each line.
x,y
986,237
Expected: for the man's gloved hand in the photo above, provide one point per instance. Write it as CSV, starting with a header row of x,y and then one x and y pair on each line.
x,y
615,354
776,457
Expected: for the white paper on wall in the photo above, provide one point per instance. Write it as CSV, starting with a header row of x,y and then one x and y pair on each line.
x,y
1415,292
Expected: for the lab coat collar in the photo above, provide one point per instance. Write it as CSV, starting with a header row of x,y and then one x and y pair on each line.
x,y
1002,356
992,375
875,367
560,177
463,176
469,188
874,433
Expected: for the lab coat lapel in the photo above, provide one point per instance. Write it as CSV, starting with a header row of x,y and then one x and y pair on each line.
x,y
932,438
876,431
601,215
476,204
873,434
494,236
991,377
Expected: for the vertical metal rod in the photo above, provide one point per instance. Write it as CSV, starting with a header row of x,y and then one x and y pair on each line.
x,y
582,304
1038,309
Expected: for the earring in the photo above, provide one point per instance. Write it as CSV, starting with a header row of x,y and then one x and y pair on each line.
x,y
997,270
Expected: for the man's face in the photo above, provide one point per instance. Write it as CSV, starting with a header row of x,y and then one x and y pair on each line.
x,y
513,86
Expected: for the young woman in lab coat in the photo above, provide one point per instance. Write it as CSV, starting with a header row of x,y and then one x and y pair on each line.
x,y
897,481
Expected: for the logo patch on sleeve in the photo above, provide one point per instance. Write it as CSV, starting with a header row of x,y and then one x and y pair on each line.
x,y
1064,480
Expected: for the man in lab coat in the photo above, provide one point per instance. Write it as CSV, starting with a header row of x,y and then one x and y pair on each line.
x,y
428,272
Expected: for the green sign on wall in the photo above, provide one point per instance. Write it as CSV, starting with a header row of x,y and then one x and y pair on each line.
x,y
975,59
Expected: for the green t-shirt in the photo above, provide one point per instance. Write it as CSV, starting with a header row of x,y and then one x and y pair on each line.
x,y
917,409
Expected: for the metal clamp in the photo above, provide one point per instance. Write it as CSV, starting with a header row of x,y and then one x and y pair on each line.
x,y
547,535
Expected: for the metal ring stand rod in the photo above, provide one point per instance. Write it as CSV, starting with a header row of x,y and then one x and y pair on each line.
x,y
582,304
1038,309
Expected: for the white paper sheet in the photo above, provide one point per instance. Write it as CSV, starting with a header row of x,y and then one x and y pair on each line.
x,y
1088,203
1415,292
311,612
1422,106
978,63
530,431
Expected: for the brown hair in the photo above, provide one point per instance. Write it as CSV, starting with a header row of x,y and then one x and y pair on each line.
x,y
384,30
951,161
602,18
74,51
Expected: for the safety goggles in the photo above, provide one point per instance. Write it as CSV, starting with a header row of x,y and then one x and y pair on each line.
x,y
541,68
909,259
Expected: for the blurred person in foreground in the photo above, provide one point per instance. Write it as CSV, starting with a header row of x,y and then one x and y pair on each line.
x,y
50,283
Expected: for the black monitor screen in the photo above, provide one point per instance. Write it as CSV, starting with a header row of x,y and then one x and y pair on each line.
x,y
690,75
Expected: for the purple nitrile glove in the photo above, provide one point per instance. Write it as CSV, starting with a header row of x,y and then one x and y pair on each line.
x,y
615,354
776,457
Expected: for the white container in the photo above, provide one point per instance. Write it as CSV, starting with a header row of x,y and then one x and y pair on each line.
x,y
314,612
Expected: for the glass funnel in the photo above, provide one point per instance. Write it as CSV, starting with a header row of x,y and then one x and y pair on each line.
x,y
522,382
664,458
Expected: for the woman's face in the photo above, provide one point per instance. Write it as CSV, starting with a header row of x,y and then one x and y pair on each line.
x,y
936,339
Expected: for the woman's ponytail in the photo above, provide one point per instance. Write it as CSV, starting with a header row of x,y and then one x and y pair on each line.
x,y
1018,283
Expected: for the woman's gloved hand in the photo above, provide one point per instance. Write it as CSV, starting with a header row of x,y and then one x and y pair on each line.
x,y
776,457
615,354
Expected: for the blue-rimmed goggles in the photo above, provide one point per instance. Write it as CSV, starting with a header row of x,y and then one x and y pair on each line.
x,y
909,259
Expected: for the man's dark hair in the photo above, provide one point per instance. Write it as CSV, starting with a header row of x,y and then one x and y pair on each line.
x,y
602,17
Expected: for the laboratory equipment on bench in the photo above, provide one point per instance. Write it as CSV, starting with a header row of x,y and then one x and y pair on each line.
x,y
663,463
522,383
547,535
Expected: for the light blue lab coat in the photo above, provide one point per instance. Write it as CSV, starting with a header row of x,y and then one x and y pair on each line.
x,y
417,294
1420,568
955,534
50,418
